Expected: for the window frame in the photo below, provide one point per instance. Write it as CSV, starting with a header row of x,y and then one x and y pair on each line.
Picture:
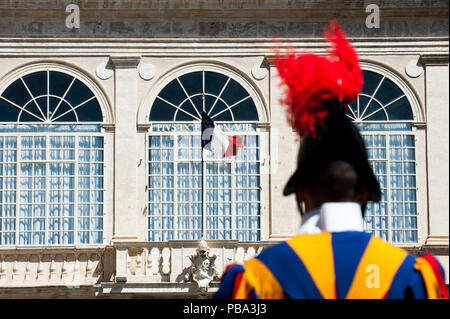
x,y
262,129
47,190
418,131
230,160
106,131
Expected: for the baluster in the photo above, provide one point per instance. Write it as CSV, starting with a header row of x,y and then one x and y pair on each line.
x,y
2,268
76,270
148,261
250,253
138,261
52,272
40,269
15,268
129,270
64,267
28,269
154,257
240,255
88,266
166,260
100,264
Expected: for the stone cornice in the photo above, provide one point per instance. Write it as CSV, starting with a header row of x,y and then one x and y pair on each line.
x,y
434,59
207,4
143,128
109,128
437,46
125,61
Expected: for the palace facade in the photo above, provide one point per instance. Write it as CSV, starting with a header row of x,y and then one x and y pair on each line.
x,y
104,189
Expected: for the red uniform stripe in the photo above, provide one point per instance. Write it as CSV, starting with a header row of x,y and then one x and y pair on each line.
x,y
437,272
237,283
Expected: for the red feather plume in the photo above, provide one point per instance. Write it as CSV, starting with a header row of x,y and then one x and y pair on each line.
x,y
312,79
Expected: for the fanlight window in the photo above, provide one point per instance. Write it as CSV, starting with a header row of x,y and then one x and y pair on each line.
x,y
380,100
220,96
51,162
384,116
192,194
49,97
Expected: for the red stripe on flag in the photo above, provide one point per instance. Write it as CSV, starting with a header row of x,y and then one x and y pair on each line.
x,y
235,143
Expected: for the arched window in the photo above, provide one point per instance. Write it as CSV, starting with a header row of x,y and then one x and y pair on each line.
x,y
51,161
220,96
190,198
384,116
49,97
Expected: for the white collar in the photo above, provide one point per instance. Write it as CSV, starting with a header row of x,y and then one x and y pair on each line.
x,y
333,217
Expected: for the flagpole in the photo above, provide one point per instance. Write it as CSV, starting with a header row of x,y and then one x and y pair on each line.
x,y
203,168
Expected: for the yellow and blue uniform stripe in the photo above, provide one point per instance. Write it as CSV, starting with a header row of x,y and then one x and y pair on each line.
x,y
334,265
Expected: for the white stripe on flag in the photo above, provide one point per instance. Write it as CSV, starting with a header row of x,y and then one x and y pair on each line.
x,y
219,142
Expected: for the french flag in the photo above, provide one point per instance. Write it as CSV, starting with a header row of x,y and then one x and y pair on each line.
x,y
214,140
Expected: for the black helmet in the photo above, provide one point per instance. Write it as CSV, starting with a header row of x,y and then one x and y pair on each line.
x,y
338,140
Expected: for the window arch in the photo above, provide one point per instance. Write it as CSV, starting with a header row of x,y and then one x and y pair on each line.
x,y
192,194
51,160
49,97
219,95
384,115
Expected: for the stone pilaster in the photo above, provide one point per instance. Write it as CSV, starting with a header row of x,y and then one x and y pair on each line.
x,y
125,147
284,214
437,111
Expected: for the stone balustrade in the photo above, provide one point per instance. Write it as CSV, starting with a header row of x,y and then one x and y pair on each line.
x,y
37,267
123,263
138,262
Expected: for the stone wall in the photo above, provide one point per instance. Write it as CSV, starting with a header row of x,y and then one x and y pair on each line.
x,y
170,34
220,19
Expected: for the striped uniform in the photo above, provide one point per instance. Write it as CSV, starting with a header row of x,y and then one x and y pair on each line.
x,y
350,264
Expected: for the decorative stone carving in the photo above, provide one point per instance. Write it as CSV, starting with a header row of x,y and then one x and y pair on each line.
x,y
203,270
259,72
414,68
104,70
147,71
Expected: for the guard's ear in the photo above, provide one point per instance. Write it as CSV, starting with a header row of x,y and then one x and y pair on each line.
x,y
300,197
300,193
363,196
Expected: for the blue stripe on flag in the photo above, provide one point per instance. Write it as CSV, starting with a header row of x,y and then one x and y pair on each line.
x,y
207,129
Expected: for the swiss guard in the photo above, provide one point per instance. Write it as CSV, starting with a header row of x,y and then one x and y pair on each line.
x,y
332,256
